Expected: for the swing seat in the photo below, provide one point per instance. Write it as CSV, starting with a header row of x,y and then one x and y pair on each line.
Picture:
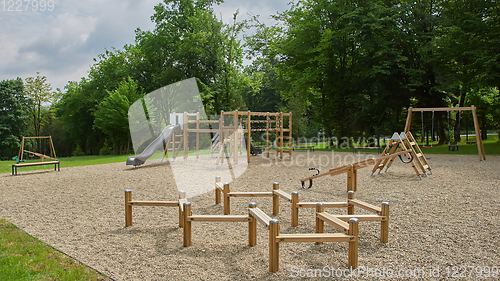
x,y
453,147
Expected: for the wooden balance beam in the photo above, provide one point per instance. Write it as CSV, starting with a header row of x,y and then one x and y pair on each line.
x,y
129,204
15,166
319,237
223,190
380,213
254,215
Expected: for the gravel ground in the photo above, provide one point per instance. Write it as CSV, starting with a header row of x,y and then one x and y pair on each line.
x,y
447,224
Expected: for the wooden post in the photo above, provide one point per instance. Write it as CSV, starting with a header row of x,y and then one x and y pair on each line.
x,y
267,134
182,195
249,138
274,247
320,224
20,156
408,119
128,208
354,243
295,209
281,135
52,150
186,135
352,178
217,190
197,135
252,227
276,199
384,225
479,139
235,137
350,208
187,225
227,202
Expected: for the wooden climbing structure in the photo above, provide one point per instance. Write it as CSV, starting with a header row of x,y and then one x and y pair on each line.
x,y
404,142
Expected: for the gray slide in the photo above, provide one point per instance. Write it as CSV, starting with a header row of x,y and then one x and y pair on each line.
x,y
153,146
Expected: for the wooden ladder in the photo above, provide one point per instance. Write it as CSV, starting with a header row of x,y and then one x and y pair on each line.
x,y
396,144
418,154
174,144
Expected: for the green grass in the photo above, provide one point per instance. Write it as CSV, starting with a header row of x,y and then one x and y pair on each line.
x,y
6,166
491,147
23,257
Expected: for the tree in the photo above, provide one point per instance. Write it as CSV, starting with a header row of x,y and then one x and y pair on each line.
x,y
13,116
38,94
188,41
112,112
345,59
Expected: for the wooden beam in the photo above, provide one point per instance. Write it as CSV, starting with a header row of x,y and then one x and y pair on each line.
x,y
220,218
283,195
362,217
333,221
367,206
327,204
251,194
155,203
315,237
260,216
441,109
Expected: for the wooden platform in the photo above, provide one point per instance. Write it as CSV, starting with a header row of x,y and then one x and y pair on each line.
x,y
15,166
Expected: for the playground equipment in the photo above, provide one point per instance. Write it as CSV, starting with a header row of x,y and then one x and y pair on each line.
x,y
403,142
153,146
380,213
223,189
351,170
42,156
480,147
129,203
227,134
319,237
346,223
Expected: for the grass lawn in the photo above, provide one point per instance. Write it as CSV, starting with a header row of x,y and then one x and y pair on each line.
x,y
491,147
23,257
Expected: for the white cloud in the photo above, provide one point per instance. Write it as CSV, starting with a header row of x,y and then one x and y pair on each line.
x,y
62,44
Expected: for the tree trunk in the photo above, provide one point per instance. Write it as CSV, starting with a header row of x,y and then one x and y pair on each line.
x,y
443,138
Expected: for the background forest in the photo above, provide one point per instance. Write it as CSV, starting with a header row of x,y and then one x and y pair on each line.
x,y
344,68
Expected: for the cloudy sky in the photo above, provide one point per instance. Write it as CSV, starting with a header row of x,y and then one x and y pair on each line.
x,y
61,41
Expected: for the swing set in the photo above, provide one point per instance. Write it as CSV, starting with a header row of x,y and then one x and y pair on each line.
x,y
41,154
451,147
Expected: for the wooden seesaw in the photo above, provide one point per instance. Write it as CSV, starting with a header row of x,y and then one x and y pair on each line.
x,y
352,169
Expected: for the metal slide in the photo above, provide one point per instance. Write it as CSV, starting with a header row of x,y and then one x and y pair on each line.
x,y
153,146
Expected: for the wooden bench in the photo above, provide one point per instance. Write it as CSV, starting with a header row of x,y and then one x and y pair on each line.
x,y
15,166
355,148
310,147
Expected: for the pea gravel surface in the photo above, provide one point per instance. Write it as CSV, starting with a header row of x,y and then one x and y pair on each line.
x,y
444,226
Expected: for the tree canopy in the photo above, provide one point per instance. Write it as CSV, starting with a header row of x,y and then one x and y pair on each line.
x,y
346,68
